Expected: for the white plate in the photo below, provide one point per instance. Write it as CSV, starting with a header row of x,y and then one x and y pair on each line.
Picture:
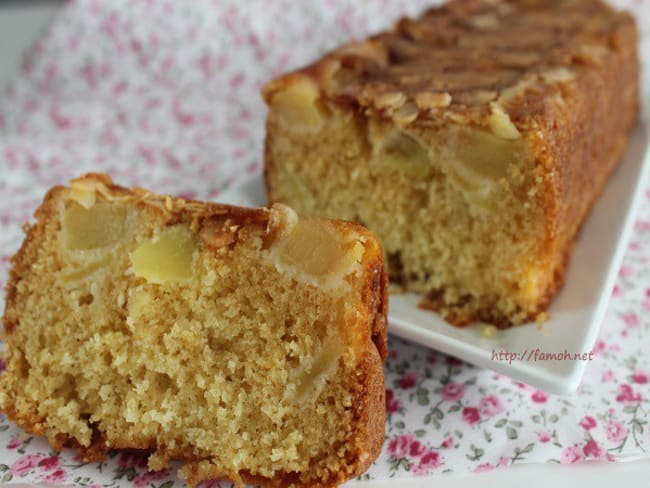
x,y
575,314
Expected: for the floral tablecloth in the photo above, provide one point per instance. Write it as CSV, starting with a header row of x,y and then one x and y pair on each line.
x,y
164,94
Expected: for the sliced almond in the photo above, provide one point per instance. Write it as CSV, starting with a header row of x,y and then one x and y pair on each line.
x,y
500,123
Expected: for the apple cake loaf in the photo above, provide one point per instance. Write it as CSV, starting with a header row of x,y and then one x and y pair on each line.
x,y
473,140
247,343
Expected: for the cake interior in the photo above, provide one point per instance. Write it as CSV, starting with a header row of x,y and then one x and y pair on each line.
x,y
129,326
459,210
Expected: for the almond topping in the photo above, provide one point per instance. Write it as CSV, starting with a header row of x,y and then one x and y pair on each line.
x,y
429,100
500,123
389,100
406,114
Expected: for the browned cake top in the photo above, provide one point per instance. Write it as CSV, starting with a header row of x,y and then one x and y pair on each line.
x,y
461,60
88,186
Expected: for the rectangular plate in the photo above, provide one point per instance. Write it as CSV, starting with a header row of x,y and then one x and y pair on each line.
x,y
575,314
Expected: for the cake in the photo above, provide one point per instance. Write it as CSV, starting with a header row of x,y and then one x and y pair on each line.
x,y
247,343
472,140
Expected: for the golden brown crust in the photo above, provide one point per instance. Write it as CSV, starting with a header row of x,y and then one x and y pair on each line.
x,y
586,139
369,405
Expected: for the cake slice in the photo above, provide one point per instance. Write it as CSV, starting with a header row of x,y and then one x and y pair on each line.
x,y
247,343
473,140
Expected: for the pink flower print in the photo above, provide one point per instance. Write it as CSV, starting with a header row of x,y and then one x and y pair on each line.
x,y
406,446
430,460
14,442
239,132
416,449
120,87
627,396
55,477
392,354
24,464
593,449
471,415
615,431
588,422
625,271
571,454
642,225
392,403
640,376
432,358
447,443
617,291
184,119
543,436
237,80
90,73
109,137
608,376
453,391
59,120
407,381
400,446
453,361
539,397
503,461
132,460
490,406
207,63
49,463
110,25
143,479
599,347
148,154
483,468
187,195
50,73
631,319
209,484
